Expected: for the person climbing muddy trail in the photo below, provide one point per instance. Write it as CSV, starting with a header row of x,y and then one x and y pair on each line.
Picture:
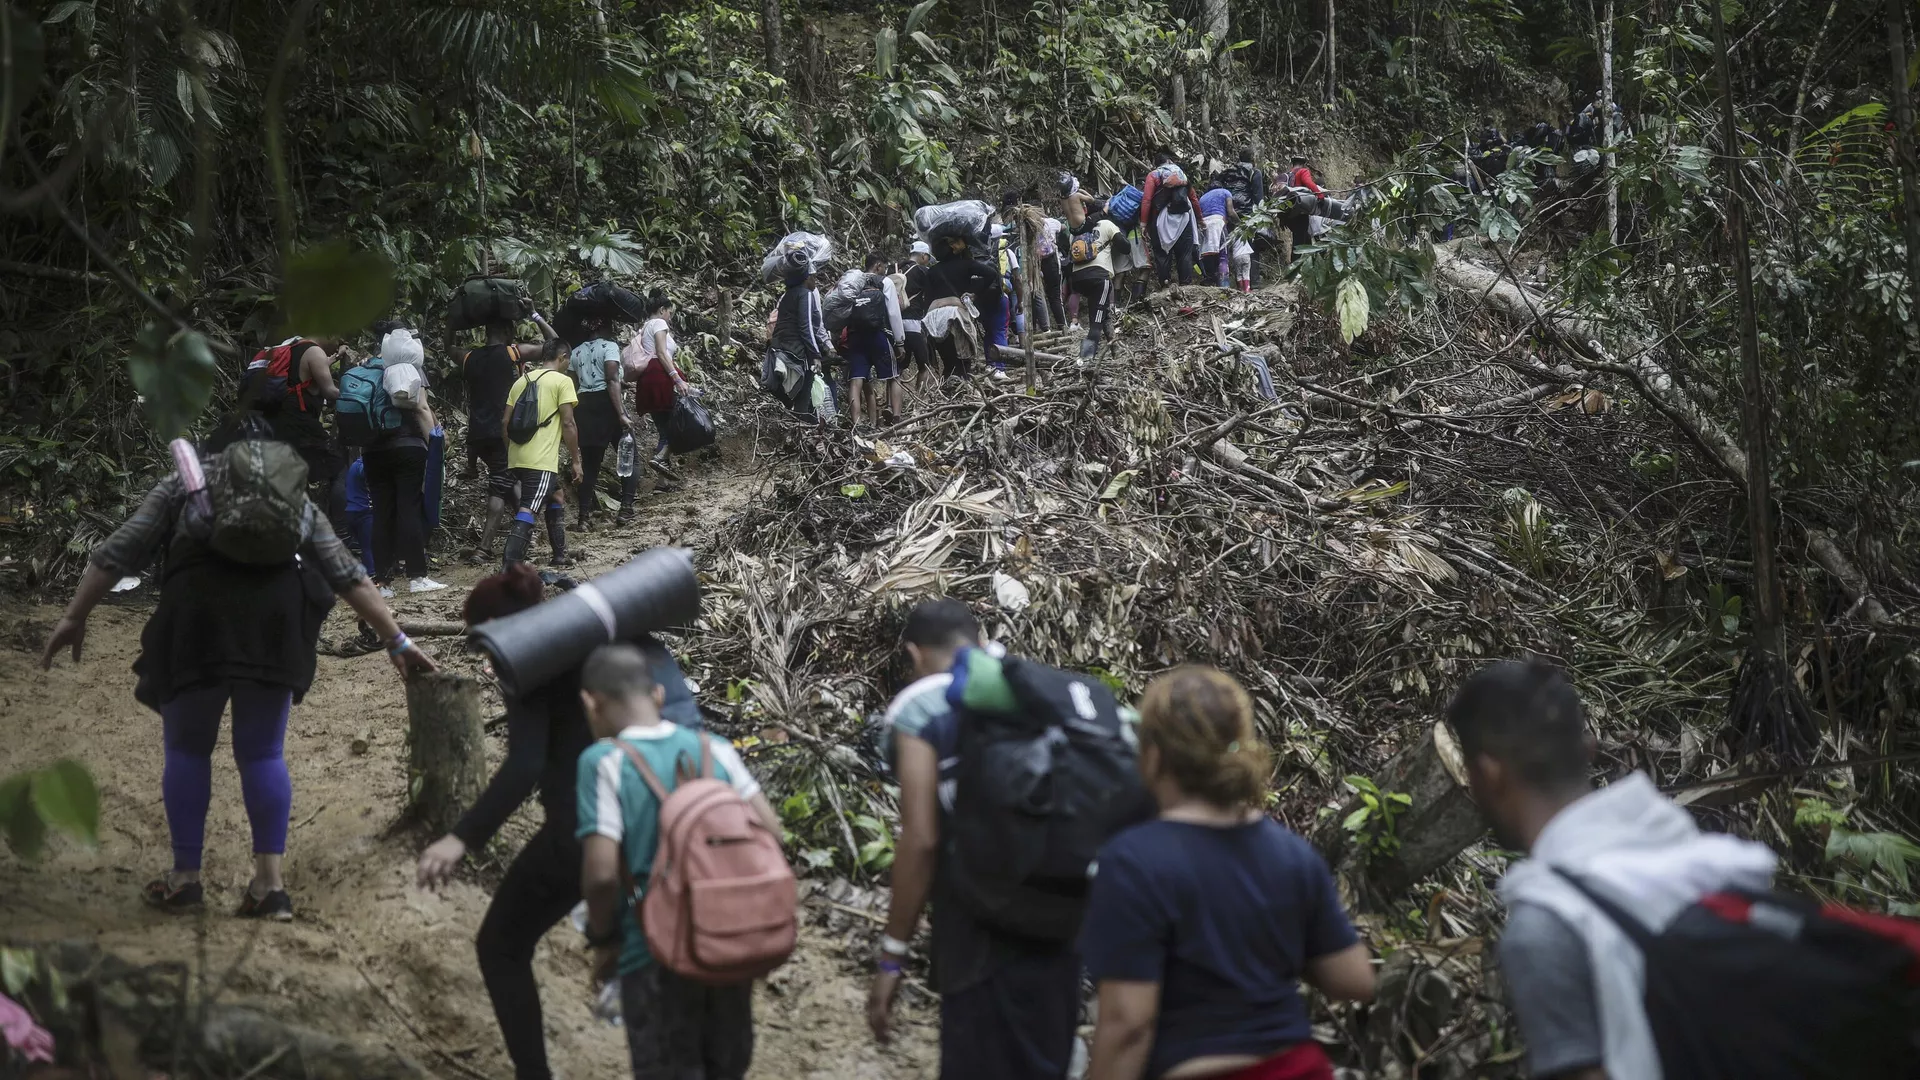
x,y
1394,561
370,955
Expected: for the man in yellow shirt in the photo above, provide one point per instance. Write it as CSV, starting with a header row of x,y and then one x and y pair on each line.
x,y
533,452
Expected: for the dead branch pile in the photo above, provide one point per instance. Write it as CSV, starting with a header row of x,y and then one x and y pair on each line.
x,y
1348,530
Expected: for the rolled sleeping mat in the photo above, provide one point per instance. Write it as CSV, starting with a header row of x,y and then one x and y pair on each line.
x,y
658,590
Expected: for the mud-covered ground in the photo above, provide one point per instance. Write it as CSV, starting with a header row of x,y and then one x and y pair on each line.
x,y
369,955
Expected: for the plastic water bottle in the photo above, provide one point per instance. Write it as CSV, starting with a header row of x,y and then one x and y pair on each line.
x,y
623,463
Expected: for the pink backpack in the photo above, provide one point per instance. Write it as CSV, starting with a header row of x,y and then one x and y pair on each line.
x,y
722,905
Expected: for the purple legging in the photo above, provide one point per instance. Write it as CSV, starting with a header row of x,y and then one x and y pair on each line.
x,y
192,723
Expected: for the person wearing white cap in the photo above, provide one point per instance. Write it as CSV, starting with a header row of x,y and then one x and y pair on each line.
x,y
913,308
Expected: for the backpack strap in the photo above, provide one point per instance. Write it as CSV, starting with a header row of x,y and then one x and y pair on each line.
x,y
1637,931
646,771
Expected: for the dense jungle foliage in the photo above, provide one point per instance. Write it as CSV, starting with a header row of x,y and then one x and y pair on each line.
x,y
183,178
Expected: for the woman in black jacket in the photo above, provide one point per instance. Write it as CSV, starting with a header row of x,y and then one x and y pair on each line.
x,y
546,733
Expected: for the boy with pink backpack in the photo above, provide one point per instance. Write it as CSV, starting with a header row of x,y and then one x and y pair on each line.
x,y
689,898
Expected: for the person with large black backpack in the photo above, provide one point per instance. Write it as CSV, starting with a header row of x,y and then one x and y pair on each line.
x,y
1638,947
249,572
1012,775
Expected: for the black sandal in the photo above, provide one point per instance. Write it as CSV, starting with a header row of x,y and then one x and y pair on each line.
x,y
174,899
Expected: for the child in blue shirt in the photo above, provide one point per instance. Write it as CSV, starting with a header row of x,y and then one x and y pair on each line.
x,y
360,513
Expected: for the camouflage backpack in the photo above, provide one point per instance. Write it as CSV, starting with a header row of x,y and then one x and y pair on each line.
x,y
259,501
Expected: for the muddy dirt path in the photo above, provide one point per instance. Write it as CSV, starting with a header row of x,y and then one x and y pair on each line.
x,y
369,955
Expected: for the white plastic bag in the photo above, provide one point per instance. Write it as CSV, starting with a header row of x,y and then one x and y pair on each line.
x,y
812,249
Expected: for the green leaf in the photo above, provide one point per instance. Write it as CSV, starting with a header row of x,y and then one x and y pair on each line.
x,y
334,289
1400,797
919,14
174,376
67,800
1118,486
66,10
1350,301
16,969
1357,818
854,491
25,831
886,45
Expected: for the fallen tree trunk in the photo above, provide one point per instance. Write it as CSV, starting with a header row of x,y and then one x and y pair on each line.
x,y
121,1019
1642,364
1438,823
447,762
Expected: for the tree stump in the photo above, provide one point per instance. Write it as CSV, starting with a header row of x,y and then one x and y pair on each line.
x,y
447,762
1441,822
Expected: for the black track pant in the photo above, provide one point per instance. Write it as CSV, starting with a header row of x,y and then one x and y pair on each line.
x,y
395,476
539,890
1094,286
1166,262
952,364
591,458
1056,301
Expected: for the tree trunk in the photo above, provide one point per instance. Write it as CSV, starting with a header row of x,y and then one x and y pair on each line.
x,y
447,766
1642,363
1606,124
1179,99
724,323
1332,85
1903,147
1767,707
1217,22
1440,822
1806,79
146,1018
770,35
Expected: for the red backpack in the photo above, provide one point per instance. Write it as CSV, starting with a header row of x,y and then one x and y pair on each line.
x,y
1768,986
272,376
721,906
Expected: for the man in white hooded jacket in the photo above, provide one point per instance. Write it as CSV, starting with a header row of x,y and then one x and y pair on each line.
x,y
1574,978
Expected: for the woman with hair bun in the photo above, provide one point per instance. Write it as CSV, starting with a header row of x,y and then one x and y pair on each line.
x,y
1203,922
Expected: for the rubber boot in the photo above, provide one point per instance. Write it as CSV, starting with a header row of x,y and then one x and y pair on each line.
x,y
629,490
1088,347
518,541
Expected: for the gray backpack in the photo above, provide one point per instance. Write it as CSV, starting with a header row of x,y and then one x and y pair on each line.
x,y
259,503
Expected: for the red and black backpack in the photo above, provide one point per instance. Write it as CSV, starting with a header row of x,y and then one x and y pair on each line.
x,y
272,379
1768,986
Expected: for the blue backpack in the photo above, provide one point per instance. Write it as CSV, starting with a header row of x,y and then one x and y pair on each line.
x,y
365,411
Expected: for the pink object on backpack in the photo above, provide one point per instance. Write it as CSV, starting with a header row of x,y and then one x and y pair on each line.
x,y
722,905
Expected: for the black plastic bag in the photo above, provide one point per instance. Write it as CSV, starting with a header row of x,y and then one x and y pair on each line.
x,y
601,300
689,428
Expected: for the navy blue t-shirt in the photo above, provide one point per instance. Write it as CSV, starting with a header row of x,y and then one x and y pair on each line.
x,y
1225,920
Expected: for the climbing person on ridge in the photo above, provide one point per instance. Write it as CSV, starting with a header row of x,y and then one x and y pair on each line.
x,y
601,417
1204,922
238,620
1091,251
546,734
658,383
949,323
1170,216
395,460
1217,215
489,372
913,310
543,400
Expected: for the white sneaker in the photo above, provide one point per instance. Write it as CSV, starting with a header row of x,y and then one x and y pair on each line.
x,y
386,592
1000,375
1073,327
425,584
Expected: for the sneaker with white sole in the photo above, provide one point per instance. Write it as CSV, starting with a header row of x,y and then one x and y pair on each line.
x,y
386,592
425,584
1000,375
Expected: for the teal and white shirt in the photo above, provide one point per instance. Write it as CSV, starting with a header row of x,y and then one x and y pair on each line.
x,y
589,363
615,802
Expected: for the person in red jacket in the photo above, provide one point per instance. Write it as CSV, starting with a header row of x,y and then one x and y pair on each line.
x,y
1170,218
1303,176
